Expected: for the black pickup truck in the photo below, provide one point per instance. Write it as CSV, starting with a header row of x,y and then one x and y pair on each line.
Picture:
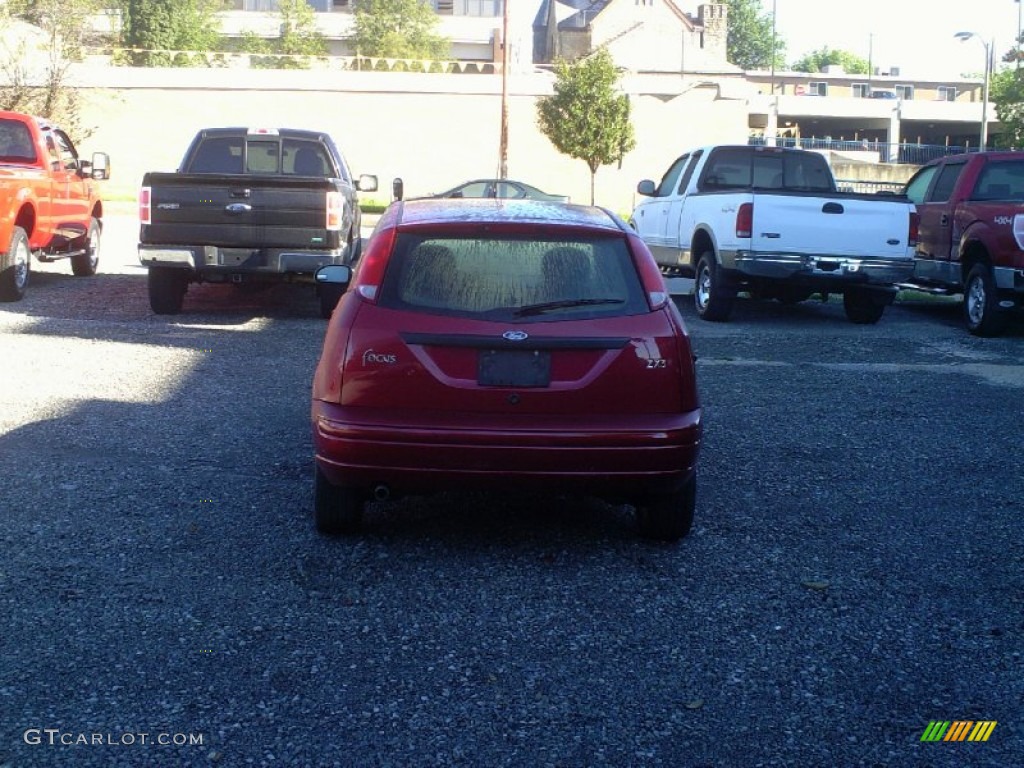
x,y
247,206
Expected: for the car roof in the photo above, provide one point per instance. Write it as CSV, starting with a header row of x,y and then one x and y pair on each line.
x,y
425,211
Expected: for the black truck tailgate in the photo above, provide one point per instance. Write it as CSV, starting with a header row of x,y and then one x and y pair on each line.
x,y
240,210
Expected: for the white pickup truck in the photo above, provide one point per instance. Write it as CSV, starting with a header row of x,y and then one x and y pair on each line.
x,y
769,221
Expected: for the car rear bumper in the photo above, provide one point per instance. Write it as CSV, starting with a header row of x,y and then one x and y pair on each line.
x,y
216,263
831,270
623,456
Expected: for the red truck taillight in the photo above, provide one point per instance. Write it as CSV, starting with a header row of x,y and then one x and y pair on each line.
x,y
914,230
146,205
745,220
335,211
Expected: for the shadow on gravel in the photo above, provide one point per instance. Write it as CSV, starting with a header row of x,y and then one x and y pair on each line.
x,y
117,298
481,518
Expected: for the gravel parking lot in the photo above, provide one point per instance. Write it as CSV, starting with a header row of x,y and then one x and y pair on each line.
x,y
854,572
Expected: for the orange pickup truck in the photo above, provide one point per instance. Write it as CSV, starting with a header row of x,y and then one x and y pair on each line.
x,y
49,205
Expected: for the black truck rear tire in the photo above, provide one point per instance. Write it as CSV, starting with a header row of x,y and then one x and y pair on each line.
x,y
167,287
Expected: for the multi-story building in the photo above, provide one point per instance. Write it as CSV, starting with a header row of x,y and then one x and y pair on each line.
x,y
674,48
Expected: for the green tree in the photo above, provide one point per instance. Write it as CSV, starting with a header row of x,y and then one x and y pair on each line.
x,y
169,33
587,117
749,43
398,29
816,61
1007,93
299,39
63,26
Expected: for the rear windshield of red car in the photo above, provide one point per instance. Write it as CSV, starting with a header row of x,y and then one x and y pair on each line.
x,y
513,278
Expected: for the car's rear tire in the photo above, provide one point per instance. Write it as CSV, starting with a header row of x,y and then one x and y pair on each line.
x,y
85,264
338,511
167,286
16,267
861,308
668,517
713,294
982,315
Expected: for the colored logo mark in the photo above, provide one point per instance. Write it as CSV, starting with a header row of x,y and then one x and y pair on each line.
x,y
958,730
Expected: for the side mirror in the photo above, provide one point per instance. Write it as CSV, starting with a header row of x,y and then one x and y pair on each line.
x,y
100,166
367,182
334,274
646,188
397,188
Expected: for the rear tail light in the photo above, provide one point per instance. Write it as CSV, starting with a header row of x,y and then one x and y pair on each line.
x,y
146,205
745,220
374,261
914,229
335,211
650,274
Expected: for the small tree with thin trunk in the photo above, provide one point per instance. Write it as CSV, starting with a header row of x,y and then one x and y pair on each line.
x,y
587,117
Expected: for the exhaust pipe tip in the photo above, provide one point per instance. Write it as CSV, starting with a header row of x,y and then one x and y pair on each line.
x,y
381,492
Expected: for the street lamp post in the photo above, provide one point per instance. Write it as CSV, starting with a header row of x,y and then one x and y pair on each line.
x,y
983,135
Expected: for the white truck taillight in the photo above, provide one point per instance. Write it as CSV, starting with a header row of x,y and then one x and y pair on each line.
x,y
146,205
335,211
745,220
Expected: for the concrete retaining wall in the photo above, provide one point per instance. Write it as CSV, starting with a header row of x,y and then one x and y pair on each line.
x,y
434,131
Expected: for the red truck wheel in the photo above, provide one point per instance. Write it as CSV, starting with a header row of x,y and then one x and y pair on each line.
x,y
981,311
84,264
15,267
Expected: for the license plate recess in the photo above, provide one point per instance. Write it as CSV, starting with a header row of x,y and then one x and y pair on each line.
x,y
514,368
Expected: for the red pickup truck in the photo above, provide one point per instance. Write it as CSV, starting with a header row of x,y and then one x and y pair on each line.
x,y
49,205
971,237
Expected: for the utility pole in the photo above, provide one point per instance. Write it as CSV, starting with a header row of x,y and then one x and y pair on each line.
x,y
871,51
1019,4
503,141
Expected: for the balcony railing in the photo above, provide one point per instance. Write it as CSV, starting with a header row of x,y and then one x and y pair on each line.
x,y
903,153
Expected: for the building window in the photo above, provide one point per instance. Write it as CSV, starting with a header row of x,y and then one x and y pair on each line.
x,y
470,7
861,90
905,92
947,93
817,89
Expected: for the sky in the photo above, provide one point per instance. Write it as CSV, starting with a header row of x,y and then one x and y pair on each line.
x,y
914,35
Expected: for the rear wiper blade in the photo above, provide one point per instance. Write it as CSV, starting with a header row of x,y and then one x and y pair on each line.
x,y
540,309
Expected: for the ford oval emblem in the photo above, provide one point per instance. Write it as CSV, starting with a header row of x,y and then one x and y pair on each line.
x,y
515,335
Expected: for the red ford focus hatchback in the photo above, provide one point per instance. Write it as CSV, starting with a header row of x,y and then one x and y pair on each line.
x,y
505,345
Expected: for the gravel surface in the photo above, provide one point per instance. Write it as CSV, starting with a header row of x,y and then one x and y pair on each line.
x,y
854,572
